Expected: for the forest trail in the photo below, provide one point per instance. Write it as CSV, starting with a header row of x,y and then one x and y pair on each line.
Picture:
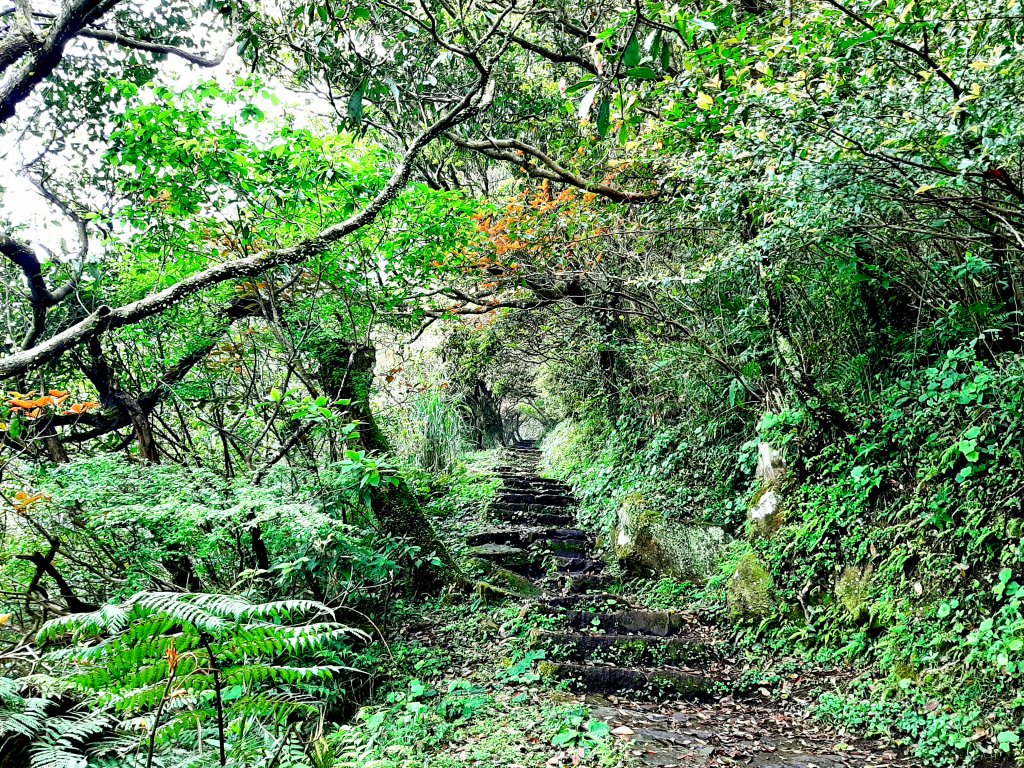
x,y
661,679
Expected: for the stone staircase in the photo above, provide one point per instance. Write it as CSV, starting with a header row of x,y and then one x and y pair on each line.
x,y
657,677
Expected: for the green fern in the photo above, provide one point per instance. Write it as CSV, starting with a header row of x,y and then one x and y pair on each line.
x,y
198,660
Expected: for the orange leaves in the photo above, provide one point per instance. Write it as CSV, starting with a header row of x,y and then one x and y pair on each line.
x,y
25,501
163,198
537,226
55,401
79,408
173,657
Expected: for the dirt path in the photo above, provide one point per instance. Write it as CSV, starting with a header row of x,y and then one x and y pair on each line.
x,y
659,678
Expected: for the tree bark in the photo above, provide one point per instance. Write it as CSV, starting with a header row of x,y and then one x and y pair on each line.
x,y
346,373
485,418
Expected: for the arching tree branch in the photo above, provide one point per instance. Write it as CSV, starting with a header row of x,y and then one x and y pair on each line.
x,y
539,165
105,318
109,36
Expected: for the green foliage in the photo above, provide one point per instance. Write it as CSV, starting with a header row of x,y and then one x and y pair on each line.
x,y
191,667
576,729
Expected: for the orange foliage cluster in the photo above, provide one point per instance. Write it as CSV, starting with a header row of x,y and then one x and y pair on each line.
x,y
163,199
55,401
24,501
525,226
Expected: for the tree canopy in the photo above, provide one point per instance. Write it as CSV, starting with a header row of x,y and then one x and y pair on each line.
x,y
269,271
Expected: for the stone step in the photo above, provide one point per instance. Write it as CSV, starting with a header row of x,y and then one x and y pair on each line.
x,y
536,499
626,650
524,481
516,559
533,518
525,536
503,493
566,563
689,746
559,603
563,548
523,512
581,583
640,622
659,682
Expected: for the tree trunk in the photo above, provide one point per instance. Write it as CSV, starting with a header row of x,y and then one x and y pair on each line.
x,y
488,430
346,373
801,383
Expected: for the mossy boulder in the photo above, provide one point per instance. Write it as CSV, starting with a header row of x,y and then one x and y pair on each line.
x,y
853,589
751,591
645,542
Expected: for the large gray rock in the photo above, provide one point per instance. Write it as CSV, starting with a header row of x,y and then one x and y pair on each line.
x,y
644,541
771,467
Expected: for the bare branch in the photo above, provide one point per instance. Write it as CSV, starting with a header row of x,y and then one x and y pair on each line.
x,y
108,36
546,167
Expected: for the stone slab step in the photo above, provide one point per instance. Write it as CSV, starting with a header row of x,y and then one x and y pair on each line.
x,y
502,554
603,600
533,484
525,536
533,517
563,547
581,583
640,622
614,680
539,499
626,650
567,563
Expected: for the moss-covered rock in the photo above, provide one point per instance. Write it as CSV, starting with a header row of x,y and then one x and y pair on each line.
x,y
853,590
751,592
643,541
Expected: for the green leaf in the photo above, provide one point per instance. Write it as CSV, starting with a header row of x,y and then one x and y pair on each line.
x,y
355,106
631,56
604,117
642,73
565,736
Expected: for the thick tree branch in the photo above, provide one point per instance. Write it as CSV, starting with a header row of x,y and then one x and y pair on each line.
x,y
28,61
554,56
105,318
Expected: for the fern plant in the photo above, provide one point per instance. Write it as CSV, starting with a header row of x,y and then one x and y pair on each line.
x,y
190,679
